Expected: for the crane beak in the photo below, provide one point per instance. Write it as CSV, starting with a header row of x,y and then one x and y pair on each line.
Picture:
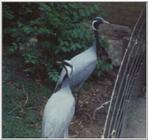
x,y
59,62
106,22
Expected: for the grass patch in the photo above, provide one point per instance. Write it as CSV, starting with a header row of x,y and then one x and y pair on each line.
x,y
23,102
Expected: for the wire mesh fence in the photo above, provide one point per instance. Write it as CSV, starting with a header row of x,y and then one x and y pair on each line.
x,y
133,58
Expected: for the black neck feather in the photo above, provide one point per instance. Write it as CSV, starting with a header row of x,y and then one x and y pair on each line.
x,y
96,33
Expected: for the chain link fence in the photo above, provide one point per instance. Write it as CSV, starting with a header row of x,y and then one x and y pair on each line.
x,y
133,58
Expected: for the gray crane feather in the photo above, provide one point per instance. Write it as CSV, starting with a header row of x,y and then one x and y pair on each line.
x,y
85,62
83,65
59,111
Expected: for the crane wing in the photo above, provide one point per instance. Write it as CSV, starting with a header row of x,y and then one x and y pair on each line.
x,y
58,114
52,128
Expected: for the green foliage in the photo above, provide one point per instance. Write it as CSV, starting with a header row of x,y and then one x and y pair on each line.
x,y
42,33
20,120
53,75
103,42
22,102
39,34
102,66
7,13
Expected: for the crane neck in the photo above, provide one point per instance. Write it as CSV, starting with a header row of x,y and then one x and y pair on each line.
x,y
66,83
97,42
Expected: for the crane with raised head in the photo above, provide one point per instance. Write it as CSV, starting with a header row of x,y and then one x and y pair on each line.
x,y
85,62
60,108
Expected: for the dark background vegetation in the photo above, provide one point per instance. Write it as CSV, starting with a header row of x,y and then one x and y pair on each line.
x,y
35,36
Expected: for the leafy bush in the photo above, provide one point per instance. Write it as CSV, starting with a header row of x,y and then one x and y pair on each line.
x,y
42,33
103,66
23,102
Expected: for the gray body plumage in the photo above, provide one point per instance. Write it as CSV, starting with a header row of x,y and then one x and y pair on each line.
x,y
83,65
60,108
85,62
58,112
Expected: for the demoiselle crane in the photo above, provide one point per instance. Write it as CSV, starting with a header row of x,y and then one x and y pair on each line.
x,y
59,109
85,62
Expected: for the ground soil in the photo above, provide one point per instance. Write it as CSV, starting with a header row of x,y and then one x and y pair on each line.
x,y
136,119
86,123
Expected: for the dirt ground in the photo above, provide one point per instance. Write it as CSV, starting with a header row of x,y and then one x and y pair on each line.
x,y
87,123
136,120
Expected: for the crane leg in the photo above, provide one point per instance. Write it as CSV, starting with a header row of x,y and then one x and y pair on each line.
x,y
77,102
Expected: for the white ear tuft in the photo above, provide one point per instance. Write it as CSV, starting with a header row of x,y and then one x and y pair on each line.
x,y
93,27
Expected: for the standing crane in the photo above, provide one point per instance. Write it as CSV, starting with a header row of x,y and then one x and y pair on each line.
x,y
60,108
85,62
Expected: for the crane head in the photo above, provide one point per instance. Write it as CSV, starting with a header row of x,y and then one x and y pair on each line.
x,y
67,65
97,21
